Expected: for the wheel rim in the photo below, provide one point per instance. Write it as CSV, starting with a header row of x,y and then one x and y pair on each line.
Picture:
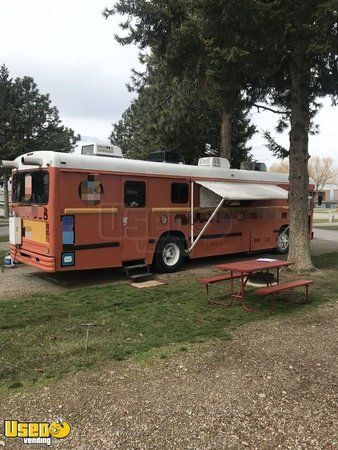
x,y
283,242
171,254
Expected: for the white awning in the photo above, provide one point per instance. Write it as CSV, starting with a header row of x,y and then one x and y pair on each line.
x,y
245,191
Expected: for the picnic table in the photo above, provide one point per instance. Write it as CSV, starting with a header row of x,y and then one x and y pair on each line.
x,y
245,269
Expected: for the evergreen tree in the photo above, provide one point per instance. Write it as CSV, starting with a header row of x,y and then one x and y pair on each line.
x,y
203,40
28,122
175,115
301,38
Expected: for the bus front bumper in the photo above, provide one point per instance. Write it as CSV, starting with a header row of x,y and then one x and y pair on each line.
x,y
46,263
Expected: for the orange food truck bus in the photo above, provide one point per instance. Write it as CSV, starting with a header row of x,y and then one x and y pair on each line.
x,y
88,211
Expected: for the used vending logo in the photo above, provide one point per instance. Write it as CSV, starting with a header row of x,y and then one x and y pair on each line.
x,y
36,432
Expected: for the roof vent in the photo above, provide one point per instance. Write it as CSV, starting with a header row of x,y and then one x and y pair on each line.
x,y
101,150
253,165
214,161
166,157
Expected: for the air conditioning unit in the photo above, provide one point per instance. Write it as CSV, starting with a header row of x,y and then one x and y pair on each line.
x,y
101,150
214,161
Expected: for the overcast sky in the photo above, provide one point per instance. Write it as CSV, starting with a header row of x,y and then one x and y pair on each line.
x,y
69,49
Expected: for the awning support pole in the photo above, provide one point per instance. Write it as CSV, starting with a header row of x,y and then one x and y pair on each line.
x,y
206,225
192,214
284,231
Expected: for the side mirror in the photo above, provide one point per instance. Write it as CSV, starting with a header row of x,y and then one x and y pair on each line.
x,y
320,199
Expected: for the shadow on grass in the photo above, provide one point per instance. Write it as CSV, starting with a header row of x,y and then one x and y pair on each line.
x,y
327,261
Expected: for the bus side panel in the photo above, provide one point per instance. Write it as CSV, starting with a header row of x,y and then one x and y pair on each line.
x,y
235,229
227,233
93,202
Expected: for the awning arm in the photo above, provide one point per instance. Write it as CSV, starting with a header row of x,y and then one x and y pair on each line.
x,y
205,226
192,213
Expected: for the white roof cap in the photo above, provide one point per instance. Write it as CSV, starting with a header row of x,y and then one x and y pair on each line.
x,y
138,167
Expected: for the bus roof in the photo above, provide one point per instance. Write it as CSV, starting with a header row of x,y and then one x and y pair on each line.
x,y
139,167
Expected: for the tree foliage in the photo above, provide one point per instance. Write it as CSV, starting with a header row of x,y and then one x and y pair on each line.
x,y
173,114
303,45
204,40
276,149
28,121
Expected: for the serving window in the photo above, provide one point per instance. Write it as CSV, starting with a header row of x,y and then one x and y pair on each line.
x,y
135,194
179,193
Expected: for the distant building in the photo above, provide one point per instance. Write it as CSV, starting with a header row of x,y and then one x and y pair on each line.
x,y
329,196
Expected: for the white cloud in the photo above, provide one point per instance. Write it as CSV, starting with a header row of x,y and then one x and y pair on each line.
x,y
69,49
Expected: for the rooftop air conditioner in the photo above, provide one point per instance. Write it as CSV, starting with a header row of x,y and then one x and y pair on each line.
x,y
214,161
101,150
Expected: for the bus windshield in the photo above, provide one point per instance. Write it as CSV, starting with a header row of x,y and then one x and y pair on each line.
x,y
30,188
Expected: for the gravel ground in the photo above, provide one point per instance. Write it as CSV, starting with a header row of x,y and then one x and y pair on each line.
x,y
273,385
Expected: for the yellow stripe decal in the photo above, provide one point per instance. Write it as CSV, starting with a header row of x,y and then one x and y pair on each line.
x,y
230,208
91,210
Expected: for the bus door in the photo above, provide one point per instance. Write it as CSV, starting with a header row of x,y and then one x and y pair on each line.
x,y
134,219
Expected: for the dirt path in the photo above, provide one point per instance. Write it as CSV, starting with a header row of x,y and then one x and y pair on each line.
x,y
274,385
326,235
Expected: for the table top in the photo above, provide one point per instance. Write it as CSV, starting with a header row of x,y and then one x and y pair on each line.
x,y
252,265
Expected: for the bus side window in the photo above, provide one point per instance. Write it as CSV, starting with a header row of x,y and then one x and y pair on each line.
x,y
179,193
135,194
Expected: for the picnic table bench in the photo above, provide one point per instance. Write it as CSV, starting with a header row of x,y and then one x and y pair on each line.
x,y
217,279
275,289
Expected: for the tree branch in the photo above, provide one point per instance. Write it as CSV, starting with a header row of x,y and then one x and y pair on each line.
x,y
270,109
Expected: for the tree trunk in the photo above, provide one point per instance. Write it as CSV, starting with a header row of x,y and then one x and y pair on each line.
x,y
299,177
225,135
6,196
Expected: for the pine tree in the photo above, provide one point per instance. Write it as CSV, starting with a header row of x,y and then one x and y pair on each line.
x,y
28,122
175,115
301,37
203,40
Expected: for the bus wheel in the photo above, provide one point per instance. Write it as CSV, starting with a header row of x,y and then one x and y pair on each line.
x,y
283,242
169,254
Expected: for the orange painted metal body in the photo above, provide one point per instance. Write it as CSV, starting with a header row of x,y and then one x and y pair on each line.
x,y
109,234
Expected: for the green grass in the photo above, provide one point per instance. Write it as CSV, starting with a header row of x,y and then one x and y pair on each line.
x,y
41,336
324,220
321,211
324,211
